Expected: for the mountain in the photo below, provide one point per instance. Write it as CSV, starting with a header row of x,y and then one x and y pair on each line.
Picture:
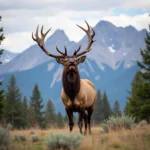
x,y
110,65
115,45
7,56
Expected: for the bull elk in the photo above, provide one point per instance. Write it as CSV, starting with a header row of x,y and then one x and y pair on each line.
x,y
78,95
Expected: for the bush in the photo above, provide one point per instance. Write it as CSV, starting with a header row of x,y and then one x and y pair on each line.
x,y
9,126
22,138
142,123
35,139
118,122
16,138
63,141
5,138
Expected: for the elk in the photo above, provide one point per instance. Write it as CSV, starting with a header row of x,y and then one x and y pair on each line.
x,y
78,95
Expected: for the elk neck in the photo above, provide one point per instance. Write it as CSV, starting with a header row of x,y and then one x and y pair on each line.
x,y
71,83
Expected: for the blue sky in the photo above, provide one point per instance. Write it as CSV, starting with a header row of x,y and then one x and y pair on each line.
x,y
20,18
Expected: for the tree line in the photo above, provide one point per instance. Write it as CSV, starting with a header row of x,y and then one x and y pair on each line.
x,y
20,113
103,110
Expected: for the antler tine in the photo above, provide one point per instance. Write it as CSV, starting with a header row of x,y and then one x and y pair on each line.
x,y
90,39
65,50
42,31
41,43
87,25
93,33
36,34
64,54
33,37
76,51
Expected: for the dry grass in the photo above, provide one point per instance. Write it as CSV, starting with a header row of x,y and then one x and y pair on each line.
x,y
135,139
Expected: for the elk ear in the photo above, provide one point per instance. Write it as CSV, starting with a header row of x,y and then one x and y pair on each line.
x,y
60,60
81,59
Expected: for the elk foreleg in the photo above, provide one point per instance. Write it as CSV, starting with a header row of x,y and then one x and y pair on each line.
x,y
70,116
81,116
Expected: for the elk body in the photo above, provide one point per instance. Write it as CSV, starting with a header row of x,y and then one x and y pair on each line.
x,y
78,95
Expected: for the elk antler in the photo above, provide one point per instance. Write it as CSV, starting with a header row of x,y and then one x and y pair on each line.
x,y
40,42
90,40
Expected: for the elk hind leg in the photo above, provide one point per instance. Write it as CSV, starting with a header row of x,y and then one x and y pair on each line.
x,y
90,111
85,122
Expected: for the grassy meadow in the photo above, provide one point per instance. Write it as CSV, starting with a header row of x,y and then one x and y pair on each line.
x,y
136,139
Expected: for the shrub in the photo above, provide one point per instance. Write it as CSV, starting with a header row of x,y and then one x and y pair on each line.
x,y
9,126
22,138
63,141
16,138
5,138
118,122
142,123
35,139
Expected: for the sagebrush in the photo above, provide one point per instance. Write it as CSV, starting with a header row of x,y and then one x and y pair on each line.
x,y
63,141
118,122
21,138
5,138
35,138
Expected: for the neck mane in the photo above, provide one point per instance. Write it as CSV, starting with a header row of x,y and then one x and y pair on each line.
x,y
71,88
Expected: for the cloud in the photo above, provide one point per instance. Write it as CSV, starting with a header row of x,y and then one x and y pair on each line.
x,y
17,42
78,5
20,18
31,4
21,40
139,21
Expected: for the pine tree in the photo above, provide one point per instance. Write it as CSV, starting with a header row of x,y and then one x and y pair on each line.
x,y
50,114
138,104
31,116
106,107
66,120
14,109
60,120
145,64
36,105
116,109
98,114
134,101
25,111
1,91
144,88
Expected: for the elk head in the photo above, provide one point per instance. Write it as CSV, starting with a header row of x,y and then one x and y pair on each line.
x,y
70,63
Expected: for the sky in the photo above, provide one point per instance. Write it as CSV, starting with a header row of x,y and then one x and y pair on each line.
x,y
21,17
